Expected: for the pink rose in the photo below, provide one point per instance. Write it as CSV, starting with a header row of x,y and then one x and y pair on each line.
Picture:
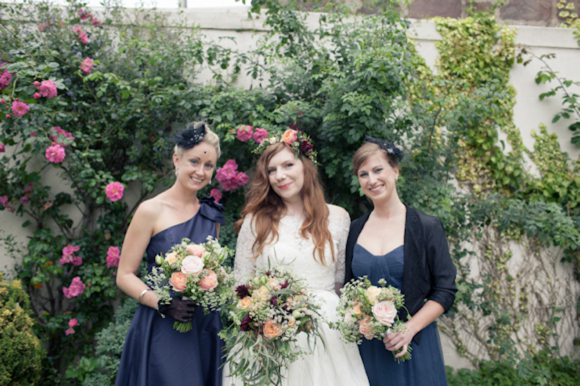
x,y
209,280
96,22
191,265
69,330
75,289
195,250
84,38
77,29
242,179
65,260
84,14
3,149
73,322
366,329
113,257
47,89
77,261
244,133
41,28
5,79
36,95
289,136
57,132
178,281
24,200
36,84
226,175
215,193
260,135
87,65
69,250
55,153
19,108
385,312
114,191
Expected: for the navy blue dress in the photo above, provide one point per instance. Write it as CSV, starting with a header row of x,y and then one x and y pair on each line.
x,y
154,353
426,366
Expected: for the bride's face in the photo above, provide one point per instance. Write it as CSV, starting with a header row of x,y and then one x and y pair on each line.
x,y
286,175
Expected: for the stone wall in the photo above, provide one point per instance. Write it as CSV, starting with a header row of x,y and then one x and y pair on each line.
x,y
523,12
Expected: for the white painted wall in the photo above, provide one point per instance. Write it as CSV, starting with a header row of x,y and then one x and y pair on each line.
x,y
529,110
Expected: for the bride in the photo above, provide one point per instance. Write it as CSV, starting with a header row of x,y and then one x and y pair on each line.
x,y
286,221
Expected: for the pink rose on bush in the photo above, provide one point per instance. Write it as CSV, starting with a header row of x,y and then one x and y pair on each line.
x,y
242,178
19,108
73,322
192,265
76,288
4,200
77,261
114,191
229,177
56,132
366,329
84,38
385,312
260,135
216,194
84,14
244,133
113,257
5,79
96,22
209,280
24,200
36,95
55,153
2,148
47,89
87,65
70,250
69,331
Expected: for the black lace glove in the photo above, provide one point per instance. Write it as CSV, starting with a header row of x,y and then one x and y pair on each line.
x,y
182,310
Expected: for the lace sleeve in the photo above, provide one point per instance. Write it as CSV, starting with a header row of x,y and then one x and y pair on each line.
x,y
244,263
339,229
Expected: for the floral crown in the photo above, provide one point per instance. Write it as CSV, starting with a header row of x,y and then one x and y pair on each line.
x,y
299,141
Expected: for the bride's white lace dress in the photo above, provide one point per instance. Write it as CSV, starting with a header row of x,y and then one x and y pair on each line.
x,y
335,363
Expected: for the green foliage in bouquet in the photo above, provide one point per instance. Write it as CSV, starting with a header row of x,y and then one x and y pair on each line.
x,y
267,313
22,351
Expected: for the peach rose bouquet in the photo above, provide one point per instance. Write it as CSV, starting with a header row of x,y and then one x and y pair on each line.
x,y
369,311
267,314
196,272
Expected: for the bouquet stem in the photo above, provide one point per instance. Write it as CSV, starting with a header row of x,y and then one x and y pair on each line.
x,y
182,327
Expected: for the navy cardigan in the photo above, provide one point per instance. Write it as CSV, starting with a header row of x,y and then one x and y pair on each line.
x,y
428,272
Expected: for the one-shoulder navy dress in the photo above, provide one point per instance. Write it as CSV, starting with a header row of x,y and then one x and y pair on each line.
x,y
426,366
154,353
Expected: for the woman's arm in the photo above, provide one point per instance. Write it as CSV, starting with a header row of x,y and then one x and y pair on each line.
x,y
424,317
136,241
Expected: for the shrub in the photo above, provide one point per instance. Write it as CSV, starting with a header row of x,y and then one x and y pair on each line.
x,y
22,352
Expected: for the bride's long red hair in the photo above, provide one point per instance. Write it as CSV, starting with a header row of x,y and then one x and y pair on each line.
x,y
267,208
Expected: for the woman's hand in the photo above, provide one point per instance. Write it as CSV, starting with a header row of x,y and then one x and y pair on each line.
x,y
394,341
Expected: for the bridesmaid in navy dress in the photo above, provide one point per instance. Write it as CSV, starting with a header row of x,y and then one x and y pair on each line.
x,y
409,250
154,353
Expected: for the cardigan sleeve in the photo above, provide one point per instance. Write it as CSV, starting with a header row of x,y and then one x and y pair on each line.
x,y
441,267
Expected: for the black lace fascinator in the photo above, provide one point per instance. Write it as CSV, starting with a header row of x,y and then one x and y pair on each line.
x,y
389,147
191,136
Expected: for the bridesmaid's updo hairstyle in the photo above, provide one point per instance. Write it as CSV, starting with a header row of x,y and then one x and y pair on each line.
x,y
391,152
194,134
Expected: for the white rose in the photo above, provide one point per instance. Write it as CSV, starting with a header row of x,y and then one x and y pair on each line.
x,y
385,312
372,293
191,265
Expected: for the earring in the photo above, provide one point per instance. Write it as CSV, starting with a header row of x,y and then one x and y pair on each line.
x,y
210,180
176,171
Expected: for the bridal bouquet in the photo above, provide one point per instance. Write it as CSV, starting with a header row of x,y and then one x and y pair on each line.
x,y
193,271
267,314
369,311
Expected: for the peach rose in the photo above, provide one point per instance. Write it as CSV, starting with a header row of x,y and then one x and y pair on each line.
x,y
372,294
245,303
272,329
366,329
356,308
289,136
192,265
178,281
385,313
273,284
209,280
195,250
171,258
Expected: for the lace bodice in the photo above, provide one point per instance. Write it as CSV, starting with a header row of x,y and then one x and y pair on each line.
x,y
294,253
